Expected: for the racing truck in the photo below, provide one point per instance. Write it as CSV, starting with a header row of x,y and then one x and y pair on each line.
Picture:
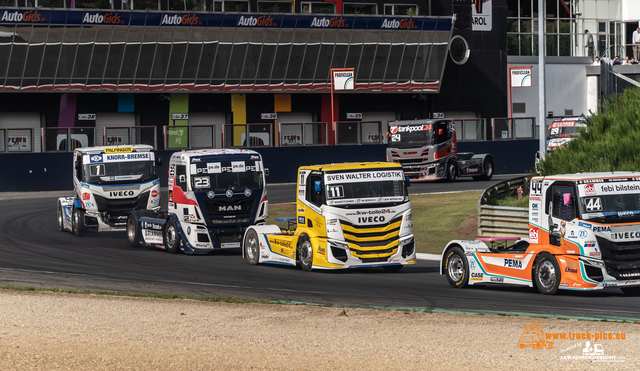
x,y
427,150
584,234
562,131
108,183
214,195
349,215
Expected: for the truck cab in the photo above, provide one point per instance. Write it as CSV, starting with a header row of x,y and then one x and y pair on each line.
x,y
584,234
560,132
428,150
348,216
108,183
213,196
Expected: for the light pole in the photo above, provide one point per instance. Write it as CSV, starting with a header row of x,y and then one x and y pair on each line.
x,y
542,104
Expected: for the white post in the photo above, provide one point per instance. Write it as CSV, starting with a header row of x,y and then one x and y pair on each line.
x,y
542,104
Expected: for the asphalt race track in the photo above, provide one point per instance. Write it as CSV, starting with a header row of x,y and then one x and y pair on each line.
x,y
35,253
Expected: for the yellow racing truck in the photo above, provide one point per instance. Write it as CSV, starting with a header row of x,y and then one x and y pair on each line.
x,y
349,215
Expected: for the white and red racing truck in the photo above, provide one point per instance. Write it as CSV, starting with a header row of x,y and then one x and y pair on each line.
x,y
428,150
214,196
108,183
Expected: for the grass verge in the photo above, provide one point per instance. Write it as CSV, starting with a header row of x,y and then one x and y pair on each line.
x,y
435,217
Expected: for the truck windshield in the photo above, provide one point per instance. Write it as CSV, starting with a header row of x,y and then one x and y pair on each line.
x,y
373,187
612,208
564,130
119,172
410,136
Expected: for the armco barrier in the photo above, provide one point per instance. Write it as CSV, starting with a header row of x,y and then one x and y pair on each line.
x,y
503,221
53,170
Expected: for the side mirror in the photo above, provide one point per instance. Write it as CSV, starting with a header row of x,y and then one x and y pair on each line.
x,y
407,182
159,161
266,172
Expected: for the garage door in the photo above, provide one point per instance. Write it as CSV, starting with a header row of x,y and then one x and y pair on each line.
x,y
23,132
116,124
293,134
205,137
370,132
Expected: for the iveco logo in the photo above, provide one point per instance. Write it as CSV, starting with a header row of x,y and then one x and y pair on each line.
x,y
229,193
121,193
230,208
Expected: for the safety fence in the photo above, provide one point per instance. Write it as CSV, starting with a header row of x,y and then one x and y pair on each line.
x,y
501,221
249,135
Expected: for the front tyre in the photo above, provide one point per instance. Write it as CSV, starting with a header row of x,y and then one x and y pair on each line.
x,y
60,218
305,253
251,247
546,274
172,237
132,230
452,172
78,226
456,267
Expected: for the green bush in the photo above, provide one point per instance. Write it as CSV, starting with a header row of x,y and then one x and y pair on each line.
x,y
611,142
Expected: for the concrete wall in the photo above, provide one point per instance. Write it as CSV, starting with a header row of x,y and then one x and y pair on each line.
x,y
21,172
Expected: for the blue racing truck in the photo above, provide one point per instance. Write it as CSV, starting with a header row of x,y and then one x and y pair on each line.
x,y
214,196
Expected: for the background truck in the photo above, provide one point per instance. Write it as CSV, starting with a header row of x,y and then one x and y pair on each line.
x,y
428,150
584,234
562,131
108,183
213,196
348,216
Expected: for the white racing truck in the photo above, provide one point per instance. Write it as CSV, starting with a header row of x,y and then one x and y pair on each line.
x,y
108,183
214,196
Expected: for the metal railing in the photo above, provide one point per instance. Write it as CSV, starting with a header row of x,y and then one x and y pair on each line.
x,y
505,128
248,135
67,139
501,221
303,133
16,140
470,129
359,132
189,136
129,135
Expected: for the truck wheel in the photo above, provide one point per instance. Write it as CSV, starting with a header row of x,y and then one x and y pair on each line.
x,y
78,222
393,268
132,230
546,274
60,218
305,253
456,268
632,291
487,169
251,247
172,237
452,173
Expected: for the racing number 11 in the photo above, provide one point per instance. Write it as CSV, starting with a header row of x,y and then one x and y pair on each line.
x,y
336,192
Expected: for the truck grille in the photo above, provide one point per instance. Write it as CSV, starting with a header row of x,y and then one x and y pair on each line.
x,y
119,208
622,259
372,243
229,207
